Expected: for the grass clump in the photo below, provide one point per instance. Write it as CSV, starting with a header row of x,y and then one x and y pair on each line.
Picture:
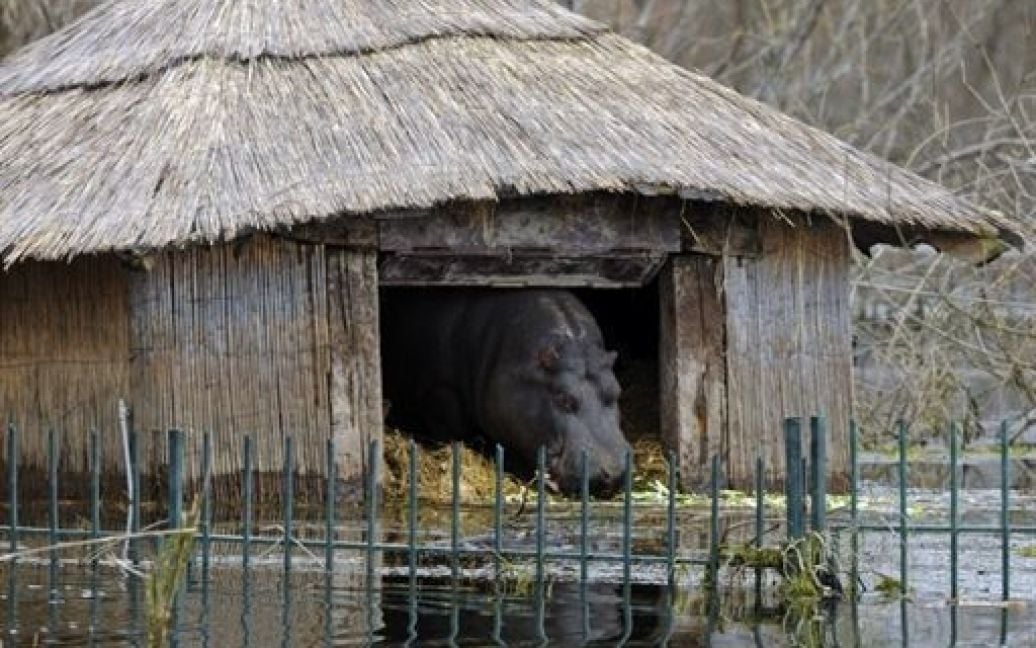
x,y
889,587
166,579
751,557
809,573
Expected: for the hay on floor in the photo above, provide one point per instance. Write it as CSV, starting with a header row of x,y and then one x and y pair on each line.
x,y
478,473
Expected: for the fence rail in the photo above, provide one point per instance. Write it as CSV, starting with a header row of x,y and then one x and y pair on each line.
x,y
805,501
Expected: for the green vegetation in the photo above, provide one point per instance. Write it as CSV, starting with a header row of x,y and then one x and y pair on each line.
x,y
166,579
889,587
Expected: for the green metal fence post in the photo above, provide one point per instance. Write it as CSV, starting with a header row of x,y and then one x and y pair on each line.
x,y
11,618
288,504
713,568
52,513
374,464
246,508
627,518
541,497
760,500
175,450
818,474
541,539
954,511
95,529
133,548
793,480
712,584
330,495
133,446
455,513
176,468
12,485
627,549
854,508
670,522
329,539
903,516
1005,513
287,539
95,492
498,511
584,541
1005,527
412,512
584,515
206,531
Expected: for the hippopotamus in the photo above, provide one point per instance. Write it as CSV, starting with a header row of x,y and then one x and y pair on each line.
x,y
522,368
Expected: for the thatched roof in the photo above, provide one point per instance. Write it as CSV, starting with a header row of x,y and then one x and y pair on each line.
x,y
23,21
158,123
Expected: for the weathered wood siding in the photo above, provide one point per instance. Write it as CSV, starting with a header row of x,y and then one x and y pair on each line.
x,y
755,327
691,362
789,343
258,339
64,351
355,380
267,337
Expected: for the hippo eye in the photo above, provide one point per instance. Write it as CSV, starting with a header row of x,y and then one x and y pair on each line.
x,y
566,402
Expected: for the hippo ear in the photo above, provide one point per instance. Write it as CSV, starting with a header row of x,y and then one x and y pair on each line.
x,y
610,357
548,358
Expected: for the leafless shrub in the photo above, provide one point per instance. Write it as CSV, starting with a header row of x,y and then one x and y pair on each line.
x,y
945,87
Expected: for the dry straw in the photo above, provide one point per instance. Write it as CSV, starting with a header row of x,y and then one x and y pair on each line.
x,y
478,473
152,124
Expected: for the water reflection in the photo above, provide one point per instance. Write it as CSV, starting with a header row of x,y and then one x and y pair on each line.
x,y
263,606
565,613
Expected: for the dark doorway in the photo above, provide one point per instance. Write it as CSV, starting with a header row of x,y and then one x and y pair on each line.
x,y
629,320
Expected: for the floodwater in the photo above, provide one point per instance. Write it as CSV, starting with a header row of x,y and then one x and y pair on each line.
x,y
376,604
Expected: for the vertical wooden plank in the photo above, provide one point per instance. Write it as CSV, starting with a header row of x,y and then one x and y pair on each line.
x,y
312,454
788,343
692,368
744,402
833,362
355,380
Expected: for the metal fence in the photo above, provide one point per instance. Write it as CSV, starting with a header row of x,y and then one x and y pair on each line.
x,y
805,493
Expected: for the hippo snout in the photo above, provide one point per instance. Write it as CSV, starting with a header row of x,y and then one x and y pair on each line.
x,y
607,484
610,478
606,475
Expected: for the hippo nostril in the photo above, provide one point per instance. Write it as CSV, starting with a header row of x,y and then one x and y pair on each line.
x,y
607,484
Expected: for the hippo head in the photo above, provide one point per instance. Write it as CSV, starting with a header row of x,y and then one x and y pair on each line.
x,y
564,397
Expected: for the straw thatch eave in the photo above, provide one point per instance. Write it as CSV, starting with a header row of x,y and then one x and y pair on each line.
x,y
104,154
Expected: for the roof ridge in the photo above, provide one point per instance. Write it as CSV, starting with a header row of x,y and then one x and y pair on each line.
x,y
6,92
83,54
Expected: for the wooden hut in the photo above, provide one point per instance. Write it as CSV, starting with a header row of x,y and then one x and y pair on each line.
x,y
200,198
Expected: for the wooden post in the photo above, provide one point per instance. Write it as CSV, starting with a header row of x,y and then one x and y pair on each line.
x,y
788,344
355,380
692,380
